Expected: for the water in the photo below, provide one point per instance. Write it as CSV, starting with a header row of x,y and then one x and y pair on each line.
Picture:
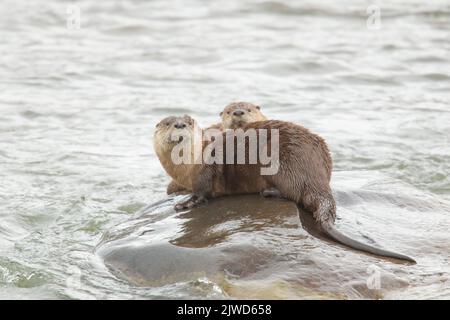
x,y
78,108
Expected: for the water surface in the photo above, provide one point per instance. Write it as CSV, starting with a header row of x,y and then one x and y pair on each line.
x,y
78,108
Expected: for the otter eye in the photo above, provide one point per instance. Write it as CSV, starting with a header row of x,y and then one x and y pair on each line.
x,y
228,112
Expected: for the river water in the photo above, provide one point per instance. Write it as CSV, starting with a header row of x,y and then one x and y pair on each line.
x,y
78,108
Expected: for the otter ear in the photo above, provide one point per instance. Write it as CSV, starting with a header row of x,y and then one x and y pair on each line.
x,y
221,113
258,107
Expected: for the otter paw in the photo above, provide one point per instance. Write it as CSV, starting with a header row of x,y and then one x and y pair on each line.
x,y
270,193
190,203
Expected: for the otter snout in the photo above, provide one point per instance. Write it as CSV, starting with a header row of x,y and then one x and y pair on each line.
x,y
238,112
179,125
173,129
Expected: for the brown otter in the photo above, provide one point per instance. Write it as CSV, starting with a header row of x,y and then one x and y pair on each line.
x,y
169,132
303,173
234,116
237,114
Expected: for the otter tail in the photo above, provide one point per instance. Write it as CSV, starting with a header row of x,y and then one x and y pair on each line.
x,y
324,211
333,233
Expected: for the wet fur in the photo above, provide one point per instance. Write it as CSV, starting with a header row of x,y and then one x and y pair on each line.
x,y
251,113
304,177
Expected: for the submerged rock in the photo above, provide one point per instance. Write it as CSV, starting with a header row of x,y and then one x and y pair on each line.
x,y
251,247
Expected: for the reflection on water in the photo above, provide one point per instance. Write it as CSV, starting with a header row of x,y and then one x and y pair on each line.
x,y
78,109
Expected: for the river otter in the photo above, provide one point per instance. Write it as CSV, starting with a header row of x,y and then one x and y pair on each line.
x,y
169,132
303,174
237,114
234,116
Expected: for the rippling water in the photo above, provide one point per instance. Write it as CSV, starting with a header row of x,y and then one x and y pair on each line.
x,y
78,108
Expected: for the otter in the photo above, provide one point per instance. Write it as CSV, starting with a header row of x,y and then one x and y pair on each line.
x,y
303,174
237,114
169,132
234,116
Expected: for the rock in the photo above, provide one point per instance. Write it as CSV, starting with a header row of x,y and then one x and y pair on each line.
x,y
160,246
251,247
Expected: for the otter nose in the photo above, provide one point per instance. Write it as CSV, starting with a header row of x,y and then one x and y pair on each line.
x,y
180,125
238,112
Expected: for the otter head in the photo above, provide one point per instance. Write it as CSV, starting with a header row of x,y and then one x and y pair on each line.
x,y
237,114
173,130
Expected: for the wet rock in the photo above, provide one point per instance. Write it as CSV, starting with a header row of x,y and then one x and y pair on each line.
x,y
252,247
160,246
